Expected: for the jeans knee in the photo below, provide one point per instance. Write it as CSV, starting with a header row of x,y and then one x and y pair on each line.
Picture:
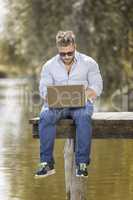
x,y
48,117
83,115
86,115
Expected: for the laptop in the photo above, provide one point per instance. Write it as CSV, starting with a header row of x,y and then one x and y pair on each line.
x,y
66,96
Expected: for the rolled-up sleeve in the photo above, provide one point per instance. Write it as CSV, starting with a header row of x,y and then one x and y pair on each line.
x,y
45,80
95,78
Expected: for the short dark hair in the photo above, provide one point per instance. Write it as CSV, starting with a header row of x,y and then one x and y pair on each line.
x,y
65,38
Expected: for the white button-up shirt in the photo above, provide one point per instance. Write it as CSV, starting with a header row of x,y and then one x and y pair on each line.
x,y
84,71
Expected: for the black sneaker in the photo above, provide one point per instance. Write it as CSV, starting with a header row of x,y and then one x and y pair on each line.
x,y
45,169
81,170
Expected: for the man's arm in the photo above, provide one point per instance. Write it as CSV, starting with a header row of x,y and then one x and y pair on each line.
x,y
95,82
45,80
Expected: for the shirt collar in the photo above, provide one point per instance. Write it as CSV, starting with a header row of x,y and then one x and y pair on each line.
x,y
76,56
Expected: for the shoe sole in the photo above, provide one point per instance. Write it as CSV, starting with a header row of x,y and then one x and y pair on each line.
x,y
51,172
82,176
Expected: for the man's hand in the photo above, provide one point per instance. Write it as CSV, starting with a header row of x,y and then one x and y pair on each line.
x,y
90,94
45,99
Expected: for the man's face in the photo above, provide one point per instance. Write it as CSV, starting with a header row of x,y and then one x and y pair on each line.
x,y
67,54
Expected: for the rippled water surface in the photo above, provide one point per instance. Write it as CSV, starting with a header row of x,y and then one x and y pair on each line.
x,y
110,173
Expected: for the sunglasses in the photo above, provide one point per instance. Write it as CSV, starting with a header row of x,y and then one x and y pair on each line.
x,y
63,54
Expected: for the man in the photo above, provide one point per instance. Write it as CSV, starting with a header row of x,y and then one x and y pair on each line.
x,y
68,67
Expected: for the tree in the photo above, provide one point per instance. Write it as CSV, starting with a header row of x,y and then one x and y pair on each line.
x,y
31,27
103,30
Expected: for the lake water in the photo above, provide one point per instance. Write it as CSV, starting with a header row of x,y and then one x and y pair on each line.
x,y
110,172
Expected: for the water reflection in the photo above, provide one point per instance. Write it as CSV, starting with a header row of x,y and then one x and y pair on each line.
x,y
112,170
110,173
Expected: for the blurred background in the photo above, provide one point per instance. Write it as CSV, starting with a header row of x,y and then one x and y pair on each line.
x,y
104,31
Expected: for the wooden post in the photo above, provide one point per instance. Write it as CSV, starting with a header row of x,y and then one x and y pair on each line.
x,y
75,186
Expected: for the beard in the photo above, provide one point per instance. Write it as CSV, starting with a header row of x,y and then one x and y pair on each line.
x,y
68,61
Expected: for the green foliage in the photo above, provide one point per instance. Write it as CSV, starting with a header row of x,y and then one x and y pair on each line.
x,y
106,26
31,27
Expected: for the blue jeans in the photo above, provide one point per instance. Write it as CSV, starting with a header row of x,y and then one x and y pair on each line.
x,y
47,131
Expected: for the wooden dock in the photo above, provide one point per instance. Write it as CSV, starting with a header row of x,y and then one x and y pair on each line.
x,y
105,125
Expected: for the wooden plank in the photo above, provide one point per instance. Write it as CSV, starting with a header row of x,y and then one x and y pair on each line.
x,y
105,125
102,116
113,116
